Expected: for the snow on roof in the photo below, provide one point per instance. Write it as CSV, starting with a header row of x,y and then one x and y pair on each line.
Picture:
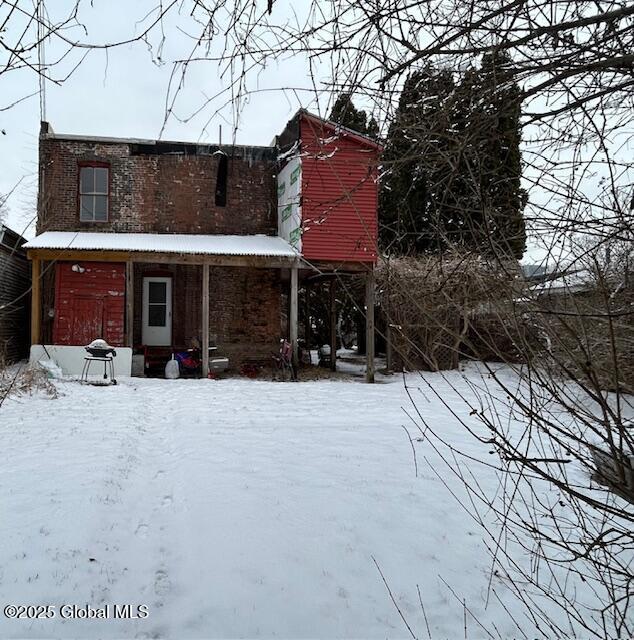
x,y
257,245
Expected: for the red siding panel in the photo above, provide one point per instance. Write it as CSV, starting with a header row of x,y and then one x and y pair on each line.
x,y
339,195
90,304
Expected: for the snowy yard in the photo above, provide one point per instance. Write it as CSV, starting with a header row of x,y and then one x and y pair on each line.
x,y
240,508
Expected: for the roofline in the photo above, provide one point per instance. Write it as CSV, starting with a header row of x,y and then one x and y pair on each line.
x,y
19,239
47,133
338,127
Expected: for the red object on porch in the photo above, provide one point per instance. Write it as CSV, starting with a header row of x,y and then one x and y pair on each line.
x,y
89,303
339,192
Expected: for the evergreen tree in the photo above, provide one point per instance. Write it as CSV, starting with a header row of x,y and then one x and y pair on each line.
x,y
344,112
372,128
417,162
453,164
498,150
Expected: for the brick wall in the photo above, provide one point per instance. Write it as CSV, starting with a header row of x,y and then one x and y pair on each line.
x,y
159,189
244,314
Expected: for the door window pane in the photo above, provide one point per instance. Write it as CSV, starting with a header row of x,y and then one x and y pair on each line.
x,y
157,292
157,315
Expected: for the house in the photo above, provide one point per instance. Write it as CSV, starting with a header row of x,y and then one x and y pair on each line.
x,y
155,246
14,296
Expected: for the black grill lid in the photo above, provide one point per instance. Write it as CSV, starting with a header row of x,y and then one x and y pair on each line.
x,y
100,348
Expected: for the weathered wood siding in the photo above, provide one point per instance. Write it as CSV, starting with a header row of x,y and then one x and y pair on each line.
x,y
15,281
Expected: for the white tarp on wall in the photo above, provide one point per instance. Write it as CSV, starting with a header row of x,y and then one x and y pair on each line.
x,y
289,211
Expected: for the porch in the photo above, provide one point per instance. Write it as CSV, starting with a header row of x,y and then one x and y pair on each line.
x,y
234,296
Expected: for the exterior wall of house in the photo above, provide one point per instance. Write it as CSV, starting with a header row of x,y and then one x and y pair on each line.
x,y
244,315
15,280
339,195
159,189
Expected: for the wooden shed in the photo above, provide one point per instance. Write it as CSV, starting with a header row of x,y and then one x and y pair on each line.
x,y
15,284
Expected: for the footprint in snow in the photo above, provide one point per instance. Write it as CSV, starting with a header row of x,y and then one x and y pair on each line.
x,y
162,584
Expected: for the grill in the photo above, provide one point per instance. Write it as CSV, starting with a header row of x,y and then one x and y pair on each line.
x,y
99,351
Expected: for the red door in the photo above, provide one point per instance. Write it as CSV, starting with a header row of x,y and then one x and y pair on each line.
x,y
89,303
86,319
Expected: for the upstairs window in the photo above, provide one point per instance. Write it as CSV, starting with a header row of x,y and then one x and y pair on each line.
x,y
93,193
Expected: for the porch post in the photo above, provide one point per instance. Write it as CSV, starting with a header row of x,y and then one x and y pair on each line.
x,y
389,356
369,324
205,322
293,313
333,324
387,312
307,325
36,300
129,303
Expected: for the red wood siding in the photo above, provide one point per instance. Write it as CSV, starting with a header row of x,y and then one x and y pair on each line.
x,y
89,305
339,194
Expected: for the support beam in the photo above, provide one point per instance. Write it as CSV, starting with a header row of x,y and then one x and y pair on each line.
x,y
389,354
129,303
293,314
333,325
36,300
205,322
369,325
307,323
387,313
260,262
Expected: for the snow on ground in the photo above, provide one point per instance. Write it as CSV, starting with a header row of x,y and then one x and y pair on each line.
x,y
239,508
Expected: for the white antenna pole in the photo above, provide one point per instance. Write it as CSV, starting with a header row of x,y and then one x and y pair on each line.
x,y
41,60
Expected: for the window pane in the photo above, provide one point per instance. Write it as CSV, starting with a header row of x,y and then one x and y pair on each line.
x,y
86,180
101,207
101,180
157,292
86,208
156,315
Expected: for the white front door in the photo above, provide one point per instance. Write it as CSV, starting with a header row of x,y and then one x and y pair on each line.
x,y
157,311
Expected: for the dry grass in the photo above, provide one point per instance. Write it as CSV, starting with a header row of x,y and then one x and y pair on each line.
x,y
24,379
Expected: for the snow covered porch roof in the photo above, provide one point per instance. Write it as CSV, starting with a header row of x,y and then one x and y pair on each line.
x,y
156,247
